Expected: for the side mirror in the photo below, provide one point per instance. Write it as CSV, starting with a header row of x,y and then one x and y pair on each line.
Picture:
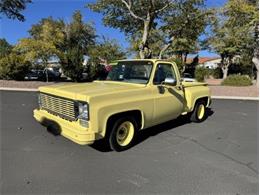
x,y
169,81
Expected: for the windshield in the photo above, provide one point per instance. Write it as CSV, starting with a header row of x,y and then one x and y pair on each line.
x,y
131,71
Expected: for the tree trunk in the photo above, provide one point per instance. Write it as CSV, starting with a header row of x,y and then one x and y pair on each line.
x,y
256,49
225,71
226,61
181,57
185,57
256,63
183,60
163,50
183,68
47,76
144,50
165,47
46,71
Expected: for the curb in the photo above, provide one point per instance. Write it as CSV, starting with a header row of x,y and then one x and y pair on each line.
x,y
212,97
17,89
235,98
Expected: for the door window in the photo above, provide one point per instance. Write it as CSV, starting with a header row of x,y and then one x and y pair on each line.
x,y
162,72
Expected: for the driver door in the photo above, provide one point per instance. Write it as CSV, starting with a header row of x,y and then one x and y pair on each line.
x,y
169,99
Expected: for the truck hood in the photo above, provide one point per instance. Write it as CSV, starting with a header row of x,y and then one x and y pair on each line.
x,y
82,91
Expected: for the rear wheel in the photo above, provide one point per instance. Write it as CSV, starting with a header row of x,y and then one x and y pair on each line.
x,y
199,112
122,133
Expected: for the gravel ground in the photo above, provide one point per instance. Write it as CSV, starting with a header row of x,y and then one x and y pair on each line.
x,y
251,91
218,90
24,84
214,84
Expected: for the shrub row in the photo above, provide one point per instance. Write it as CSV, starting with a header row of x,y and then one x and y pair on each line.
x,y
201,73
232,80
237,80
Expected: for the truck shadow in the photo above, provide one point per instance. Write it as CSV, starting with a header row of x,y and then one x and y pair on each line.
x,y
170,125
102,145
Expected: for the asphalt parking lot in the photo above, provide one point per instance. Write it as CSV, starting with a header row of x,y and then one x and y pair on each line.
x,y
218,156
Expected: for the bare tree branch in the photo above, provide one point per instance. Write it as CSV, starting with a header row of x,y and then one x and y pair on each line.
x,y
164,7
129,7
166,46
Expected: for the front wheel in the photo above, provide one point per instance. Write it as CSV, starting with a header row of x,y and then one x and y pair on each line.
x,y
123,133
199,112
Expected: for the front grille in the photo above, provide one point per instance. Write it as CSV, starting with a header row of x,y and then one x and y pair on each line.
x,y
62,107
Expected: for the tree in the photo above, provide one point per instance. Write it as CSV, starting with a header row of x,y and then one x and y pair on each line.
x,y
107,51
103,53
36,51
5,48
232,36
12,8
254,26
47,37
67,42
225,44
79,36
156,42
14,66
133,17
183,26
247,28
49,30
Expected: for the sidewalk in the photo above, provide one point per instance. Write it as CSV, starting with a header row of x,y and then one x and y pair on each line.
x,y
218,90
214,85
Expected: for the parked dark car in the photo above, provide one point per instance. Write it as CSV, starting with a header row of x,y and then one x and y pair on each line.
x,y
34,75
53,75
40,75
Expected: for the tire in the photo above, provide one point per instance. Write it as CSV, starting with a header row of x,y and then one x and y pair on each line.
x,y
199,112
123,133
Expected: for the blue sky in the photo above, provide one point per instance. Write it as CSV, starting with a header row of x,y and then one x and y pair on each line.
x,y
13,30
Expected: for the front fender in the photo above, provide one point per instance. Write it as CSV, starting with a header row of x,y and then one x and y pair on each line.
x,y
107,115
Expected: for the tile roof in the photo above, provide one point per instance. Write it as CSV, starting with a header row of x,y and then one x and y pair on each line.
x,y
202,59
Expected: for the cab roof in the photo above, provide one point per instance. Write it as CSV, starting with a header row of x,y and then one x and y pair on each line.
x,y
152,60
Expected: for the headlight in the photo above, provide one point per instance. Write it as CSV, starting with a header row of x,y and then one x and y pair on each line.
x,y
83,111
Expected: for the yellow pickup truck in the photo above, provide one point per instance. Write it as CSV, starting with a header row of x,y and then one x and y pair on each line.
x,y
137,94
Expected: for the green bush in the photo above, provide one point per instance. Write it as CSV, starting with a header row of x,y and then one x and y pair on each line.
x,y
14,66
237,80
201,73
217,73
247,70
